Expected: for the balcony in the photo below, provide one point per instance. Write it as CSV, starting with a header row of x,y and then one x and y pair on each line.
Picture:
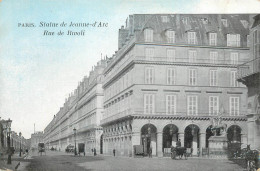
x,y
248,68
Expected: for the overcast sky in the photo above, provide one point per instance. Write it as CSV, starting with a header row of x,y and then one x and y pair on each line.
x,y
38,72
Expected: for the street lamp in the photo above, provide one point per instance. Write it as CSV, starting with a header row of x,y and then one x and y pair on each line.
x,y
75,150
20,135
7,127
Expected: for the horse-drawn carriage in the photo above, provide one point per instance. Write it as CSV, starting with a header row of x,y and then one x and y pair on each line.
x,y
252,158
179,152
41,148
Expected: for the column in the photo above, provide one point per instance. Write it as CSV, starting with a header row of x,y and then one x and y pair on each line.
x,y
195,144
135,141
202,142
159,144
181,136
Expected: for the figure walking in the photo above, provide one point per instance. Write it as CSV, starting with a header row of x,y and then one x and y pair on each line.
x,y
95,152
114,152
150,152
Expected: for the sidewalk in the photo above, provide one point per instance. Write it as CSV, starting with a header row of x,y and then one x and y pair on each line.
x,y
15,162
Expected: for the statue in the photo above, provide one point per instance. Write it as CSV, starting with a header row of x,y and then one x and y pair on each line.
x,y
217,124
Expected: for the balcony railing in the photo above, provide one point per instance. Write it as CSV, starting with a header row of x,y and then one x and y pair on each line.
x,y
249,68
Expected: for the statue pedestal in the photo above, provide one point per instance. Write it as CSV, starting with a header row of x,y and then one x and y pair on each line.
x,y
218,146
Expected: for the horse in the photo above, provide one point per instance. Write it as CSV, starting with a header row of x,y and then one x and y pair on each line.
x,y
178,151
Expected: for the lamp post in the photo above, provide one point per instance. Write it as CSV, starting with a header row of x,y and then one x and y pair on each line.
x,y
75,150
20,135
7,127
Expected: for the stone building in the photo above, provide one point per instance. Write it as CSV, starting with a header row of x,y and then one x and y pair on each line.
x,y
36,138
171,74
249,74
83,111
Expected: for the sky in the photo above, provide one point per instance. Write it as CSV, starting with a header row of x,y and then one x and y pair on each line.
x,y
37,72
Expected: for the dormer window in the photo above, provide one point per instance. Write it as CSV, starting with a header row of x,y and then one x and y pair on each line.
x,y
148,35
164,19
170,34
185,20
245,23
191,37
204,20
212,39
233,40
224,22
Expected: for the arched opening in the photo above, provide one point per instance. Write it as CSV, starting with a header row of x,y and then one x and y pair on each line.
x,y
234,140
170,137
191,139
101,144
148,138
208,135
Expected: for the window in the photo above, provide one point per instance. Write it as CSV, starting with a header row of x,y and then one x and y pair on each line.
x,y
245,23
170,34
213,57
185,20
234,58
204,20
234,106
192,105
247,41
148,35
224,22
192,56
170,55
256,44
170,76
149,75
233,79
213,77
149,53
191,37
233,40
164,19
192,76
148,103
171,104
212,39
213,105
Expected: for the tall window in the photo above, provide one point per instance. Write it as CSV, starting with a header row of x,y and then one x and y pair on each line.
x,y
148,35
149,53
192,76
213,57
213,105
192,105
170,36
164,19
213,77
234,106
256,44
192,56
149,103
233,40
191,37
245,23
233,79
149,75
224,22
212,39
171,76
170,55
171,104
234,58
247,40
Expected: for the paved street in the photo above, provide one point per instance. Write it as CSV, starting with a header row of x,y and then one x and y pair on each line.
x,y
54,161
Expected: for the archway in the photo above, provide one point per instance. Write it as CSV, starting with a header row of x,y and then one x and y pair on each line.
x,y
191,138
170,137
148,138
234,140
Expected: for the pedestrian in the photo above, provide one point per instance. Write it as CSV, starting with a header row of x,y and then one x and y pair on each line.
x,y
150,152
92,150
178,143
84,153
95,152
114,152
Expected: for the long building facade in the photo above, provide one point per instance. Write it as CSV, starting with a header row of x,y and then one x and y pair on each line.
x,y
249,74
81,111
170,76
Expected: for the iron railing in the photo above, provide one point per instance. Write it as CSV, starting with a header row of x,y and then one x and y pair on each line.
x,y
249,68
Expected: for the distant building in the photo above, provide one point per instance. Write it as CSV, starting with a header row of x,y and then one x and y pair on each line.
x,y
249,74
171,74
36,138
83,111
